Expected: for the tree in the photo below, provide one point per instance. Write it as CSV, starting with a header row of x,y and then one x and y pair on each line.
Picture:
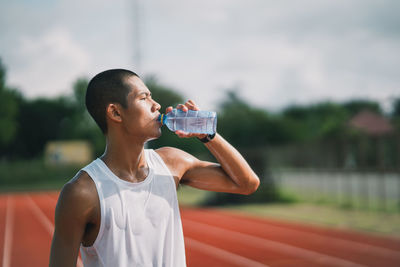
x,y
79,124
241,124
316,122
40,120
79,92
357,105
8,112
44,119
396,108
247,126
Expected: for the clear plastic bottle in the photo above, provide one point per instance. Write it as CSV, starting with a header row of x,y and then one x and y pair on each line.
x,y
193,121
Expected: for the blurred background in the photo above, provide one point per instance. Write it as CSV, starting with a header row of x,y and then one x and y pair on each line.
x,y
307,91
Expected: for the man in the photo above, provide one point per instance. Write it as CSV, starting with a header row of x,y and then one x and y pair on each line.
x,y
121,209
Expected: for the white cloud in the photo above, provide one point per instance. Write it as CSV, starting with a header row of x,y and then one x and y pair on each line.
x,y
278,52
51,62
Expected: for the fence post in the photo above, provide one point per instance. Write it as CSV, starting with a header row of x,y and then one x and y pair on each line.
x,y
337,187
398,190
365,189
382,188
351,190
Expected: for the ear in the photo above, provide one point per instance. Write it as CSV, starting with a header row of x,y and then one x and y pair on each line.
x,y
113,112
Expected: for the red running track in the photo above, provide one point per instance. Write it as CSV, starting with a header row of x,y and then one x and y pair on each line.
x,y
212,238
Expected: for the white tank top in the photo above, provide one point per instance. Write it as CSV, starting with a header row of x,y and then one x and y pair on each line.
x,y
140,222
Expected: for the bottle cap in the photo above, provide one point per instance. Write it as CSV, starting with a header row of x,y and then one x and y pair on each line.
x,y
161,119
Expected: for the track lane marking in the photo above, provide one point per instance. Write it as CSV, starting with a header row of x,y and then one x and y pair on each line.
x,y
8,236
275,246
51,197
222,254
215,251
46,222
353,245
40,215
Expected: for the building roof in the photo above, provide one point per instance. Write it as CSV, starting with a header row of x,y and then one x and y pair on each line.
x,y
371,123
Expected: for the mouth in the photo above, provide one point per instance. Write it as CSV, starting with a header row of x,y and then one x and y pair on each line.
x,y
157,118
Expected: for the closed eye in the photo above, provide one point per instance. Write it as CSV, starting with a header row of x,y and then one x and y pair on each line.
x,y
145,95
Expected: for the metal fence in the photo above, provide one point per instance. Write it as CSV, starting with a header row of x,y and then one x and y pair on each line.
x,y
355,189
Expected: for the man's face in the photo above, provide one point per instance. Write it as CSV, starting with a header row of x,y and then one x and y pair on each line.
x,y
140,117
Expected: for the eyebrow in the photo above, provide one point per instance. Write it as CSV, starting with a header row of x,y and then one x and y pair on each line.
x,y
144,92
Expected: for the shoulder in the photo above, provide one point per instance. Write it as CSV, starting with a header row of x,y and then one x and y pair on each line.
x,y
80,187
177,160
175,155
78,195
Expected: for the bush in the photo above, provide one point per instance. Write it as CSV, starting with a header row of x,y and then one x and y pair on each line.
x,y
266,193
33,175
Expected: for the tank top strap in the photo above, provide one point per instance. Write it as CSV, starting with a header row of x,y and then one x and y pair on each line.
x,y
94,171
155,162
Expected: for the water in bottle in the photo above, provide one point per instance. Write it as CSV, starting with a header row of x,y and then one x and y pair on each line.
x,y
192,121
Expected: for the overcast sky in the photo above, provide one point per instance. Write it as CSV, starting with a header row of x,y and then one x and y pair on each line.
x,y
275,53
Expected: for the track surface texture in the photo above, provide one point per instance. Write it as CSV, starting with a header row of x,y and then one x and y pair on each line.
x,y
212,237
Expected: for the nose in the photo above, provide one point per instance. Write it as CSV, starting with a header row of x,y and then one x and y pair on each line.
x,y
156,106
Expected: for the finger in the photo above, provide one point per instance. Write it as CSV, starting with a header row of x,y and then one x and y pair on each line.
x,y
168,109
181,134
192,105
201,136
191,102
182,107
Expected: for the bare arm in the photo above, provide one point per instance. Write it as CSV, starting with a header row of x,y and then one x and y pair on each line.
x,y
233,174
232,163
73,212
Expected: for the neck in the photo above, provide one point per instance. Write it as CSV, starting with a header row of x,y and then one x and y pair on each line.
x,y
125,158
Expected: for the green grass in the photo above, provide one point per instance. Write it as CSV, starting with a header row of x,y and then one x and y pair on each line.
x,y
373,205
33,175
387,224
189,196
322,213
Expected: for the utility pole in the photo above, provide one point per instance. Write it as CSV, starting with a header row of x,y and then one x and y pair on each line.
x,y
137,36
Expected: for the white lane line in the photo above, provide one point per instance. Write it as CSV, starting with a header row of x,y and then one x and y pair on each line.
x,y
40,216
272,245
350,245
48,196
224,255
46,222
8,232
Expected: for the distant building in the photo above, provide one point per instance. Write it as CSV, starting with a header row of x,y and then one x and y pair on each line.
x,y
371,123
74,152
373,142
